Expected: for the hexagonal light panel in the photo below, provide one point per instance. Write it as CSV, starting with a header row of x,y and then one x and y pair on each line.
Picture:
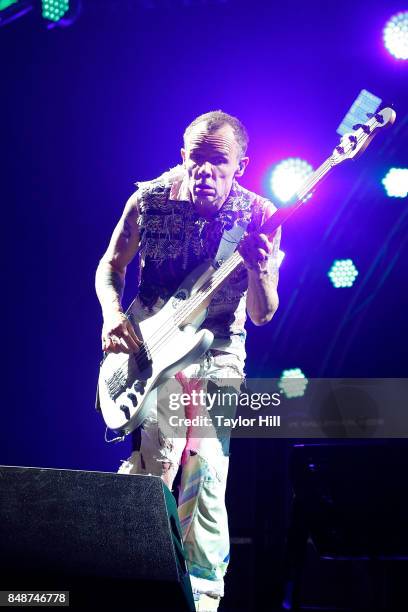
x,y
54,9
293,383
343,273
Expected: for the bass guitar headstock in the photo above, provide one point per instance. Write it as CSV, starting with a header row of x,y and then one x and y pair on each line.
x,y
353,144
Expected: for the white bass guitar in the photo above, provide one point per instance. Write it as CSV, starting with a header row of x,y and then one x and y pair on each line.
x,y
171,338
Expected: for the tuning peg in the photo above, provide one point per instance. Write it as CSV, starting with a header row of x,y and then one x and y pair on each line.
x,y
378,117
363,126
340,149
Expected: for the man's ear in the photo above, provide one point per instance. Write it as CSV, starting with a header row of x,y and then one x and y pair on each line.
x,y
183,156
242,164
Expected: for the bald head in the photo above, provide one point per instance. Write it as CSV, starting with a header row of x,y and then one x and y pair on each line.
x,y
212,158
216,119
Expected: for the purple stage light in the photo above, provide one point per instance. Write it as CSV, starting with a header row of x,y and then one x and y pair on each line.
x,y
395,35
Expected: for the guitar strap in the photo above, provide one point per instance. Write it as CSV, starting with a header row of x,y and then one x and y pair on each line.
x,y
229,241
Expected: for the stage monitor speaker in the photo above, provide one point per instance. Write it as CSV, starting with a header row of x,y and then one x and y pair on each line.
x,y
353,497
109,539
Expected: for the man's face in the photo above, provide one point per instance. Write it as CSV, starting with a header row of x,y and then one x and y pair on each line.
x,y
212,161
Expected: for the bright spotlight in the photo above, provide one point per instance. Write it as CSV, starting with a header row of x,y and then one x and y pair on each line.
x,y
293,383
395,35
396,182
343,273
288,176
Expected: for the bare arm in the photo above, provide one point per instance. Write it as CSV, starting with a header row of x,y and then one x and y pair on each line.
x,y
117,333
260,253
262,296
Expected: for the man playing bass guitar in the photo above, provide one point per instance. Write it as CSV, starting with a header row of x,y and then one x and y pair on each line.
x,y
172,224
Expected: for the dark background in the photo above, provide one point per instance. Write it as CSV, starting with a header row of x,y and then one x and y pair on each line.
x,y
88,110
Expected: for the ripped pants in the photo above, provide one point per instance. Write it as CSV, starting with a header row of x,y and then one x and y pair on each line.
x,y
201,500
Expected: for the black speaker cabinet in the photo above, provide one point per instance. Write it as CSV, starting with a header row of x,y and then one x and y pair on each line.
x,y
109,539
352,497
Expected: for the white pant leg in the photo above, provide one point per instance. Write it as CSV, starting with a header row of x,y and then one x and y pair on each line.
x,y
202,510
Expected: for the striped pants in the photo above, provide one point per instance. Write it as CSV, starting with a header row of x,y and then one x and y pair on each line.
x,y
204,469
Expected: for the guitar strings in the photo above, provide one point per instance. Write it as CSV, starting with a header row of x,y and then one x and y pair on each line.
x,y
224,271
188,308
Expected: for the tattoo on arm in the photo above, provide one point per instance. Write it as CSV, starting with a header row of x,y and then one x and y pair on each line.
x,y
113,280
109,285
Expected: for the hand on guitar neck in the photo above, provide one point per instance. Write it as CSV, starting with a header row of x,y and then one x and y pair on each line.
x,y
255,249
